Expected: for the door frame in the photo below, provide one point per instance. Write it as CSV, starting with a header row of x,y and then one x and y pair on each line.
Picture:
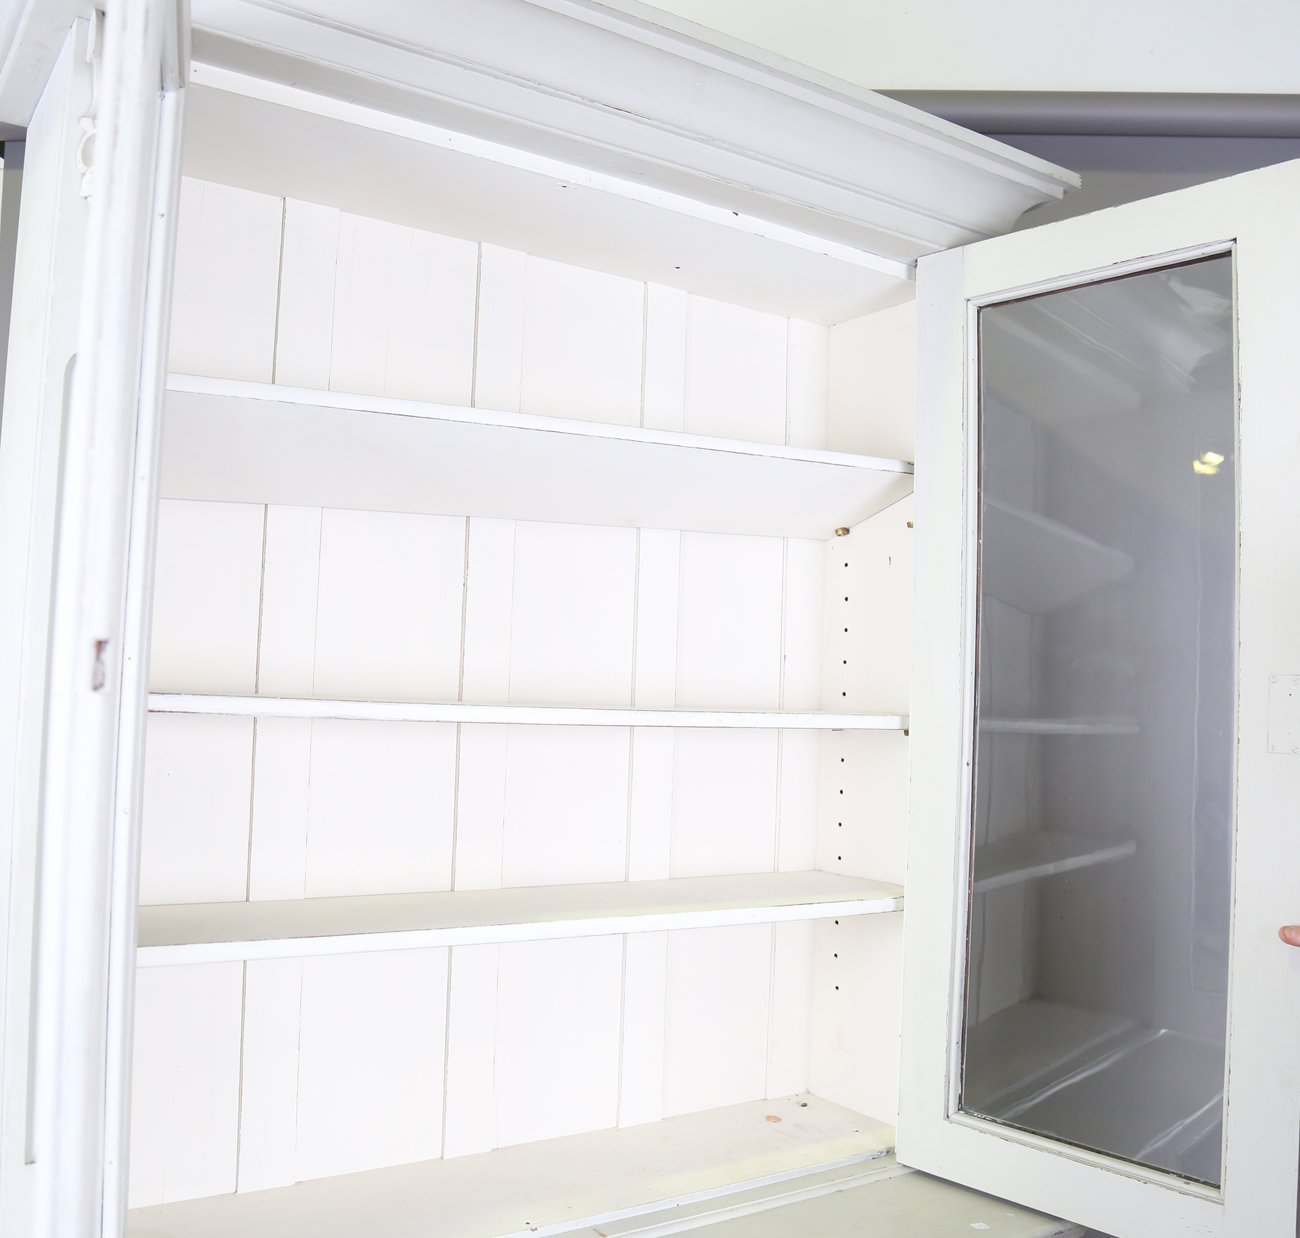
x,y
1253,216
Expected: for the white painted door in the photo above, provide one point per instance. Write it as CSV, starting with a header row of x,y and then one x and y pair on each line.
x,y
1100,1020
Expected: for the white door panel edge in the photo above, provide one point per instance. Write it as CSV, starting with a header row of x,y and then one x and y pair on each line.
x,y
1252,216
83,985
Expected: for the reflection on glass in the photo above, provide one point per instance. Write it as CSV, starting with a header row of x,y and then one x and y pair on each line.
x,y
1097,967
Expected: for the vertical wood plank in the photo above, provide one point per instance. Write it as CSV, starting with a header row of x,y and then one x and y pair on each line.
x,y
194,834
650,819
185,1082
566,805
729,622
801,776
305,327
583,343
715,1034
480,806
382,798
403,312
735,372
389,612
645,974
803,623
370,1069
571,632
658,572
664,397
489,596
557,1068
807,379
277,854
499,346
287,652
225,286
872,391
268,1120
790,1023
724,802
207,578
471,1124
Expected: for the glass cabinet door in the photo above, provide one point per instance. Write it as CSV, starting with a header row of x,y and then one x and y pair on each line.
x,y
1102,807
1099,1019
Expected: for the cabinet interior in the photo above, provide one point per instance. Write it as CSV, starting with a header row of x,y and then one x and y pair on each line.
x,y
499,601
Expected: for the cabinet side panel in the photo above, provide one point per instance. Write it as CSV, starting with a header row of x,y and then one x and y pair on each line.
x,y
873,384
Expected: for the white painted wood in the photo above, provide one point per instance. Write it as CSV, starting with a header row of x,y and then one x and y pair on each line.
x,y
798,792
206,597
388,617
554,1185
1261,1128
471,1112
277,850
1023,857
582,345
286,650
382,799
715,1026
807,375
735,372
296,928
304,324
403,313
790,1016
574,603
197,793
803,622
233,443
658,567
480,807
620,102
729,621
227,277
872,382
550,715
663,397
650,807
489,598
724,802
557,1074
268,1104
185,1093
566,806
641,1079
856,1014
499,341
862,811
43,337
370,1064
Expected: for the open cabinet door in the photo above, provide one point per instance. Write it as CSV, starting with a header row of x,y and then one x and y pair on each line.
x,y
78,450
1100,1021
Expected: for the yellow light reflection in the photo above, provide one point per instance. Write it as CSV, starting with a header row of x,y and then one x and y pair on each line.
x,y
1208,463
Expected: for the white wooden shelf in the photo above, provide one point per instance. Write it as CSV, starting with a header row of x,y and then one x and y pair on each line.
x,y
556,1185
1059,726
538,715
1023,857
257,443
298,928
1039,565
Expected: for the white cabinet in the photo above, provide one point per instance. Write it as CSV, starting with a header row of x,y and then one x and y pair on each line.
x,y
511,834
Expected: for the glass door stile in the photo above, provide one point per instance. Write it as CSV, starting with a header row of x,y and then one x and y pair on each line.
x,y
1102,814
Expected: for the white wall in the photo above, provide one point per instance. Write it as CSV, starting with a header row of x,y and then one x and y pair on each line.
x,y
1216,45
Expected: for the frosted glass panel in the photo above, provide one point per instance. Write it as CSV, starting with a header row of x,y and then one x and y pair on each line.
x,y
1102,815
